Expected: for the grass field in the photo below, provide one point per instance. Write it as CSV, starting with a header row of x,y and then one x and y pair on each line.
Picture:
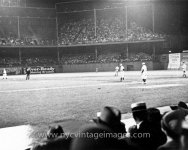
x,y
51,98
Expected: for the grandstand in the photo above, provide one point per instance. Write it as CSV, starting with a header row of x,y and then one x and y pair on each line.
x,y
58,29
73,47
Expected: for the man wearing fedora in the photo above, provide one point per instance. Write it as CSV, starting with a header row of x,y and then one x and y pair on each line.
x,y
140,133
97,142
111,117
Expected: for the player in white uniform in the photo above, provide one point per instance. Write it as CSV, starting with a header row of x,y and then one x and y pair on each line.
x,y
122,72
184,67
4,74
144,72
116,71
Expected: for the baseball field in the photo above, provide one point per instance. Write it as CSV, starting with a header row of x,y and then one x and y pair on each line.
x,y
53,98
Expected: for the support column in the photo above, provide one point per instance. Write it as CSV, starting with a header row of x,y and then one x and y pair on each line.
x,y
95,22
20,56
57,36
96,53
126,22
96,56
154,51
58,58
18,27
153,17
127,49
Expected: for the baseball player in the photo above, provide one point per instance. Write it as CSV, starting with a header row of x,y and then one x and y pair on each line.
x,y
116,70
4,74
122,72
144,72
28,72
184,67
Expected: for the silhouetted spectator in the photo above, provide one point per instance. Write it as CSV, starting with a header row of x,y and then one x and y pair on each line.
x,y
172,125
56,144
184,136
56,140
182,105
158,137
141,132
97,137
174,107
111,117
55,132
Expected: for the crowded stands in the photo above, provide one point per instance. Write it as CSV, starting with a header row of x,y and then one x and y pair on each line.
x,y
111,29
78,59
104,58
152,131
31,61
72,59
107,26
37,61
80,32
12,41
31,32
9,62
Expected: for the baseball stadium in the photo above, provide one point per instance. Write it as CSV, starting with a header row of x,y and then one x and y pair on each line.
x,y
70,67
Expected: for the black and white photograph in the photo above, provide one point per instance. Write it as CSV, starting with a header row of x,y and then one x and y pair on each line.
x,y
93,75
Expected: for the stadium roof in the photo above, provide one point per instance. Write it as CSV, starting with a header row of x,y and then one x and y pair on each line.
x,y
58,1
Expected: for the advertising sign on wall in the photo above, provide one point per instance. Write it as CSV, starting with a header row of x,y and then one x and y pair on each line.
x,y
185,57
36,70
41,70
174,61
47,69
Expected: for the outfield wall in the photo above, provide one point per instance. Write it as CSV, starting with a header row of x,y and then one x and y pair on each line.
x,y
12,70
129,66
162,64
173,61
100,67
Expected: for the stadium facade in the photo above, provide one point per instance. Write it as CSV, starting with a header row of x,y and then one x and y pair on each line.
x,y
79,36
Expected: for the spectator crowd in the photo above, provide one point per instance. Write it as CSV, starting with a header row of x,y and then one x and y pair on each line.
x,y
71,59
27,31
152,131
111,29
103,58
28,61
12,41
107,28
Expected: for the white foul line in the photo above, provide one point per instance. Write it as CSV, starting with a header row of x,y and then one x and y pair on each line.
x,y
53,88
93,85
157,86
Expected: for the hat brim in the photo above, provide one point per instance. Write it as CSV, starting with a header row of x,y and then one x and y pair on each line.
x,y
174,107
